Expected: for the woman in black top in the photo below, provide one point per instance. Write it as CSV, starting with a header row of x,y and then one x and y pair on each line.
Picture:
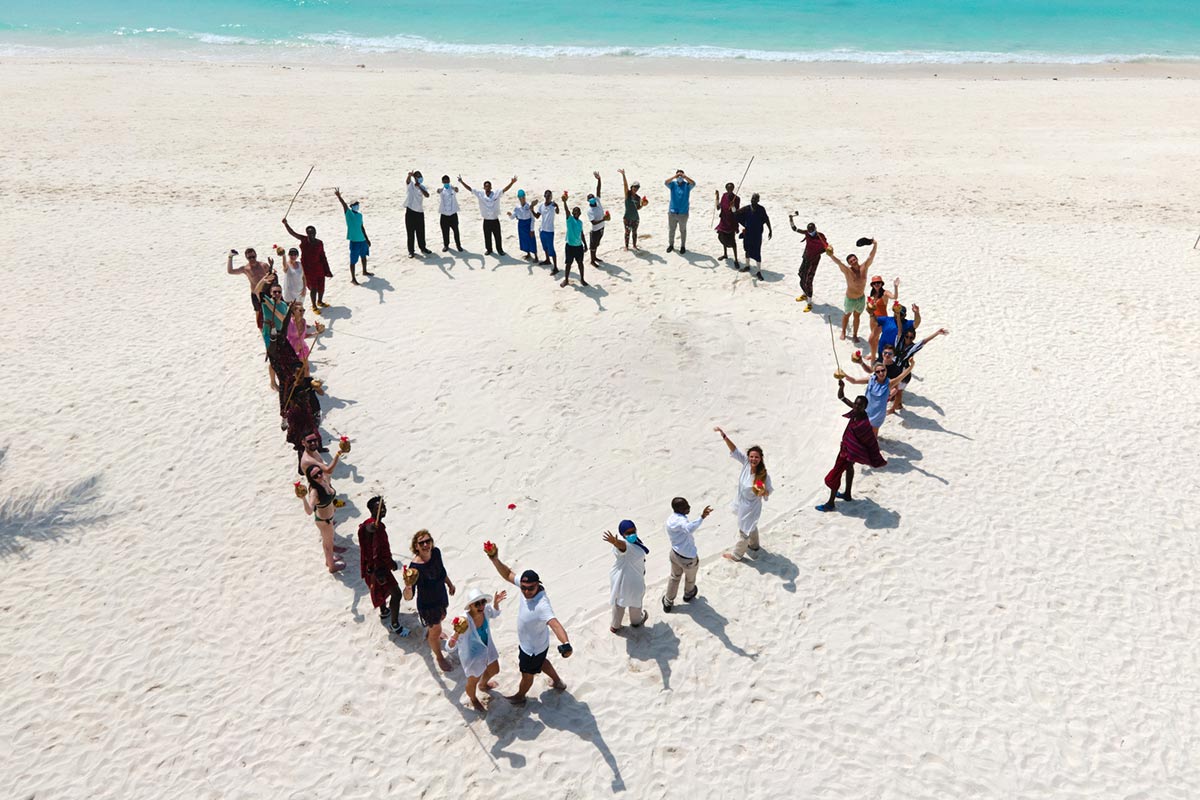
x,y
426,577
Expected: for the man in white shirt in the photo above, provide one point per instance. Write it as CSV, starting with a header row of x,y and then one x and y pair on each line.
x,y
489,210
595,215
685,560
534,616
448,206
545,219
414,212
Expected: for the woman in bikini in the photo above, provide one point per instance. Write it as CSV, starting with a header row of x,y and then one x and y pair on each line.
x,y
319,502
877,306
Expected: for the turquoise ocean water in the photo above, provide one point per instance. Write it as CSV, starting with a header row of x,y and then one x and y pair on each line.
x,y
899,31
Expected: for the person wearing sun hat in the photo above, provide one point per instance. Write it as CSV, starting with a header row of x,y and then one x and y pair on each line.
x,y
475,644
628,575
535,618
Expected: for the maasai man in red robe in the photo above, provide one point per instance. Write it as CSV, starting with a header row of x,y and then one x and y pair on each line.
x,y
859,446
314,263
377,564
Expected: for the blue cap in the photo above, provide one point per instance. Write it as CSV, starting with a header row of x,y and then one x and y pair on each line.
x,y
520,192
626,526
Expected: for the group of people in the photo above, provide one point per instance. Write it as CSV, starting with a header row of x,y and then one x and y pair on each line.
x,y
278,300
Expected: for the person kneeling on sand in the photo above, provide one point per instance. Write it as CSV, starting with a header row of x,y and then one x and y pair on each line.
x,y
535,620
754,486
859,446
685,560
475,643
628,576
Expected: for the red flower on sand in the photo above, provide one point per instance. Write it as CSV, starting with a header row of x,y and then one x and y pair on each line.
x,y
511,506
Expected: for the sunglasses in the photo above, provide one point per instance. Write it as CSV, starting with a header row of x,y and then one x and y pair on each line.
x,y
528,588
424,542
480,603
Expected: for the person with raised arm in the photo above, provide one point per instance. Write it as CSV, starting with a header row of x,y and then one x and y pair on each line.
x,y
634,203
535,621
754,486
815,245
474,640
523,213
684,558
254,270
856,286
680,187
627,578
574,243
448,209
319,503
597,216
356,235
905,350
489,211
315,264
877,306
859,446
878,390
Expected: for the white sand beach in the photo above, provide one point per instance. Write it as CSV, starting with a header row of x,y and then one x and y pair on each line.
x,y
1008,610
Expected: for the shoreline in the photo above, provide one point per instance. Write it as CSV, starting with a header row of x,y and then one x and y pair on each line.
x,y
662,66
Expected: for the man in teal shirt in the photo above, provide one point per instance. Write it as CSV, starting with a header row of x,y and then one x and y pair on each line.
x,y
356,234
575,246
680,187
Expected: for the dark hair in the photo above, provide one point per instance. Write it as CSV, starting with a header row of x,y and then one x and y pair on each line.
x,y
760,474
323,494
679,505
373,505
445,179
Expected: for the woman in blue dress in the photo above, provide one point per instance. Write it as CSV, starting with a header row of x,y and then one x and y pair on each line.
x,y
878,388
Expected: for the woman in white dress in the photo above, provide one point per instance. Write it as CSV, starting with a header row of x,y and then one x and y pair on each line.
x,y
475,643
628,575
754,486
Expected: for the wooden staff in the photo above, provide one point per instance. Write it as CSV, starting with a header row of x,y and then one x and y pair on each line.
x,y
736,191
297,194
833,344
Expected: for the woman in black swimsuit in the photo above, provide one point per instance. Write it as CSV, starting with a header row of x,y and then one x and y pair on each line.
x,y
319,503
430,583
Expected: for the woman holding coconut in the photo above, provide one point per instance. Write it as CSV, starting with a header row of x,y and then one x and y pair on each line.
x,y
319,501
475,643
426,578
754,486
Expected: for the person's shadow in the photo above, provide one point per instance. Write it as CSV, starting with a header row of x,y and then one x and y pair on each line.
x,y
903,457
330,401
563,712
441,262
613,271
350,577
700,260
647,256
873,515
917,401
597,293
333,313
823,309
708,618
378,284
658,643
770,563
769,277
916,422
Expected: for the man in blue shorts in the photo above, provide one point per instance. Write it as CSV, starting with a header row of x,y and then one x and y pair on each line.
x,y
356,234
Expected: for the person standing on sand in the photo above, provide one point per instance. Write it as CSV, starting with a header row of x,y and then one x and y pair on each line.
x,y
753,218
908,347
815,245
489,212
877,306
634,202
448,207
474,641
891,328
414,212
546,228
627,576
680,187
255,270
356,235
523,214
597,216
315,264
754,486
293,277
377,566
427,578
575,246
878,391
859,446
685,559
856,285
535,620
727,206
319,502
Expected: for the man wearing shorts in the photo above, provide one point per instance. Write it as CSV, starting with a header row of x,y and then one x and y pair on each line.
x,y
255,270
356,234
535,620
856,287
596,216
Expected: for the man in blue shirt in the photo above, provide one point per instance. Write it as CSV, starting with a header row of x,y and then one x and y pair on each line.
x,y
680,187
